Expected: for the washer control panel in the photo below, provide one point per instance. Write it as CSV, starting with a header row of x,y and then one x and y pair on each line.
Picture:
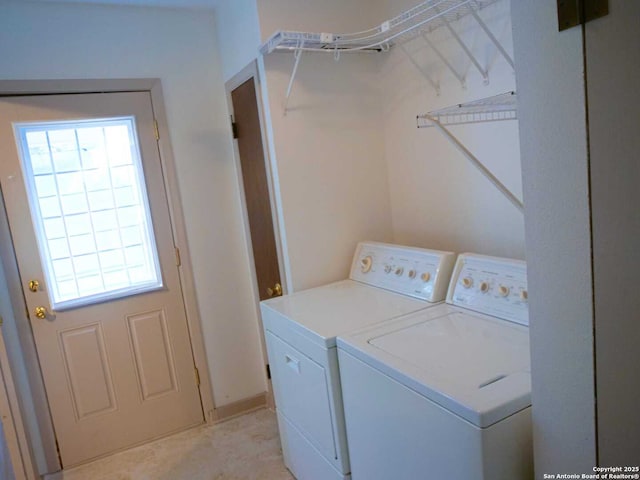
x,y
417,272
491,285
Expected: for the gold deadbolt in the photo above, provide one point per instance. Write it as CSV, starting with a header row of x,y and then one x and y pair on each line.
x,y
40,312
34,285
276,291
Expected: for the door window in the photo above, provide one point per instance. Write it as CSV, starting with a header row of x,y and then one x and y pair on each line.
x,y
90,210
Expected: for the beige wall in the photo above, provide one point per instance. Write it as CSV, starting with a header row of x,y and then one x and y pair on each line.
x,y
45,41
328,150
438,198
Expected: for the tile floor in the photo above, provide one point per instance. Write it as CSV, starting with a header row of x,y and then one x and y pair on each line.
x,y
244,448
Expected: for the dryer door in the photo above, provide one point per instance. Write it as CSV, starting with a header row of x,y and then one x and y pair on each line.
x,y
302,394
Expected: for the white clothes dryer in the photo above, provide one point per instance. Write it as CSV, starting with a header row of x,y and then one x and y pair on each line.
x,y
445,393
301,329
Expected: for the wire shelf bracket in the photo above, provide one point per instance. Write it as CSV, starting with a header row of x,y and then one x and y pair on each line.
x,y
491,109
416,22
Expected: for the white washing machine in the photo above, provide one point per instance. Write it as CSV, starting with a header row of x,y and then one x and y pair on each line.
x,y
445,393
300,329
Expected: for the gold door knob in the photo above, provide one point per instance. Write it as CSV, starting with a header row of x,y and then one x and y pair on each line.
x,y
34,285
276,291
41,312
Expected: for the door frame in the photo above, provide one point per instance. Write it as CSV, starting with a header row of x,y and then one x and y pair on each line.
x,y
15,435
255,70
154,87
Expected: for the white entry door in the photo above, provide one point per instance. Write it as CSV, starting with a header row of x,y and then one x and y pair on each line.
x,y
84,191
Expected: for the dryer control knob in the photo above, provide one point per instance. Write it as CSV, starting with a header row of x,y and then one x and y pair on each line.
x,y
467,282
366,263
503,291
412,274
484,287
524,295
426,276
399,271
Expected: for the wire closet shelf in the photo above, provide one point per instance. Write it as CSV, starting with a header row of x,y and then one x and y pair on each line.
x,y
421,19
490,109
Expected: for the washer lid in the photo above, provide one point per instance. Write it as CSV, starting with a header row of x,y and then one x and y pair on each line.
x,y
322,313
473,365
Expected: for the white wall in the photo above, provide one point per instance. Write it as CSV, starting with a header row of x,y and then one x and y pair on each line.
x,y
550,77
44,41
614,116
439,199
329,154
333,16
238,33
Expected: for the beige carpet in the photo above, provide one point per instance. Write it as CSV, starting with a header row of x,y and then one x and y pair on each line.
x,y
244,448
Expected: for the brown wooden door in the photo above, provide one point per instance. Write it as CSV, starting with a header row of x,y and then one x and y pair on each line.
x,y
256,188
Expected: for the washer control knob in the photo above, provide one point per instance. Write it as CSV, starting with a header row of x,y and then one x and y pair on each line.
x,y
484,287
503,291
387,269
399,271
366,263
524,295
467,282
426,276
412,274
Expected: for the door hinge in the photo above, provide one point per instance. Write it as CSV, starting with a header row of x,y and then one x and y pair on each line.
x,y
197,376
156,129
234,128
268,372
577,12
178,260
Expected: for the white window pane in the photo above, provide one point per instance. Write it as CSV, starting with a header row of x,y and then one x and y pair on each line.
x,y
70,183
82,244
63,269
72,204
78,224
67,289
131,236
123,176
49,207
86,265
106,220
54,228
129,216
112,260
91,211
58,248
125,196
39,152
96,180
117,279
101,200
138,274
118,145
134,255
46,185
108,240
90,285
91,143
64,150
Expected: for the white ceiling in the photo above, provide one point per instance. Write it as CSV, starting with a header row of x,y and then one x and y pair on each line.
x,y
190,4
